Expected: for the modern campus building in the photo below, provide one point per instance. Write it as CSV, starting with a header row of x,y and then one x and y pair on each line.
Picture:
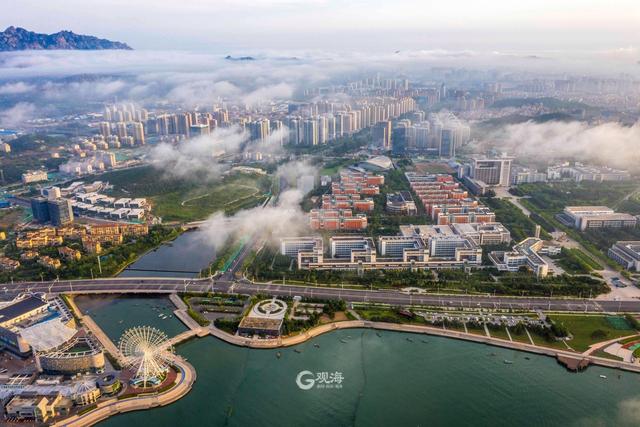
x,y
627,254
580,172
483,173
291,246
492,233
393,252
524,254
588,217
336,219
401,203
347,201
437,189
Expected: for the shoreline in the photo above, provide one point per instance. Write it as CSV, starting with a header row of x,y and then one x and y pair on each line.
x,y
114,406
119,272
187,372
572,361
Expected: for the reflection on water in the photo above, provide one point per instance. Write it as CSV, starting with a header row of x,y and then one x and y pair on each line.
x,y
183,257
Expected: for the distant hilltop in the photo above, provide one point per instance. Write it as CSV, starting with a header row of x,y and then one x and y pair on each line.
x,y
18,38
239,58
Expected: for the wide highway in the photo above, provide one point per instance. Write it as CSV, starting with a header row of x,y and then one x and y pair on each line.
x,y
170,285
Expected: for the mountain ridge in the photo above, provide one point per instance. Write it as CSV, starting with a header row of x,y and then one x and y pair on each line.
x,y
17,38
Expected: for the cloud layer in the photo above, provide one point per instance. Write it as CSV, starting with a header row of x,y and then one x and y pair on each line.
x,y
610,143
283,219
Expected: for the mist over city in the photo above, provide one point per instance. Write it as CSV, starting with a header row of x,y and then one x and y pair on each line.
x,y
313,212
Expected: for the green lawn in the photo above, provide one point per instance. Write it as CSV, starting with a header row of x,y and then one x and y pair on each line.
x,y
550,199
587,330
512,217
574,261
499,333
176,199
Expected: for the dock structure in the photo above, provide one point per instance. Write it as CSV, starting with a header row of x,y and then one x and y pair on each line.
x,y
104,340
96,330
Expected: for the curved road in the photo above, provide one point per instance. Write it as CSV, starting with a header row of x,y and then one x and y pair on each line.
x,y
171,285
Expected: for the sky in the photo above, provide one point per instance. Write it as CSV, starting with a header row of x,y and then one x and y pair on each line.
x,y
219,25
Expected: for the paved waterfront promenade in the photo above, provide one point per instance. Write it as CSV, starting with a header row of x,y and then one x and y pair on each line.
x,y
297,339
186,376
184,382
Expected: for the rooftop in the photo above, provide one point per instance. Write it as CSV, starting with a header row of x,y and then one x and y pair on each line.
x,y
20,308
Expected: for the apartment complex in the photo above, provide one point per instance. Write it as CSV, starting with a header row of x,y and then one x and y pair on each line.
x,y
30,177
89,235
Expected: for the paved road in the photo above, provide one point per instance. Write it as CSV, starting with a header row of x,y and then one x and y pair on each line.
x,y
169,285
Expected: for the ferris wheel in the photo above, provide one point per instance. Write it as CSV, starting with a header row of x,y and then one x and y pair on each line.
x,y
147,351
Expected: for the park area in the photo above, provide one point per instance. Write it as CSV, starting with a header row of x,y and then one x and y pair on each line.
x,y
189,199
545,200
590,329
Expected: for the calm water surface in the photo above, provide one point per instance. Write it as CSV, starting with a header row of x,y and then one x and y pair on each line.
x,y
183,257
390,379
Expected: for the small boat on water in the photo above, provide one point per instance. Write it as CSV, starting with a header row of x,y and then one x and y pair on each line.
x,y
409,339
425,341
342,340
160,315
378,334
316,345
527,358
603,377
297,351
507,362
278,355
